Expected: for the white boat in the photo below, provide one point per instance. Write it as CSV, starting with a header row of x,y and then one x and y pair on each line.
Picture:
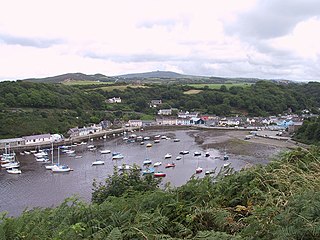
x,y
168,155
184,152
60,168
83,143
90,146
207,154
197,154
40,154
147,162
157,164
149,145
27,152
57,168
141,143
163,137
176,140
226,164
14,170
178,158
117,157
42,159
156,141
97,162
78,156
14,164
105,151
198,170
146,138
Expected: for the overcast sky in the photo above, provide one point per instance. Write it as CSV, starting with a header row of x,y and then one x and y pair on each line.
x,y
274,39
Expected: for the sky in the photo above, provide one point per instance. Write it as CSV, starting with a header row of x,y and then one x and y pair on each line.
x,y
270,39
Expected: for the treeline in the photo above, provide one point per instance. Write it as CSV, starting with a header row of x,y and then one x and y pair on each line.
x,y
278,201
261,99
309,132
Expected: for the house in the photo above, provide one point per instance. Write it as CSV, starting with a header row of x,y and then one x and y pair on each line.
x,y
37,139
165,112
196,121
11,142
148,123
183,121
75,132
229,122
114,100
187,114
135,123
155,103
166,121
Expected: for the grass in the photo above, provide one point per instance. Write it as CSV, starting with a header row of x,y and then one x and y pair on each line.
x,y
218,85
119,87
79,82
193,91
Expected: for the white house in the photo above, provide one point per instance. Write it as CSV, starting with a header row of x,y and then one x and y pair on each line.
x,y
85,131
188,114
155,103
165,112
135,123
34,139
166,121
114,100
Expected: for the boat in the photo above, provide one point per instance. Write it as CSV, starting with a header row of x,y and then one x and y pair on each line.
x,y
14,164
83,143
176,140
148,171
78,156
197,154
225,157
61,168
146,138
156,136
98,162
156,141
141,143
139,138
159,174
90,146
163,137
198,170
226,164
14,170
168,155
178,158
105,151
157,164
124,167
184,152
147,162
170,165
42,159
207,154
149,145
117,157
57,168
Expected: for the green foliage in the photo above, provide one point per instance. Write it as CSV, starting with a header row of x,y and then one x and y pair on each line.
x,y
309,132
277,201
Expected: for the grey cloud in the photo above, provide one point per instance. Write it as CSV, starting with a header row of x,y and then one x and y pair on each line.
x,y
273,18
28,42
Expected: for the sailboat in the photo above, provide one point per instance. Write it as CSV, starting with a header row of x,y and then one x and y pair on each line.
x,y
49,167
60,168
97,161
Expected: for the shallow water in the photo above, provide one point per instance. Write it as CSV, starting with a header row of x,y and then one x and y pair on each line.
x,y
38,187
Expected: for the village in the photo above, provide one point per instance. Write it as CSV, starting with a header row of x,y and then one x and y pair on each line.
x,y
284,126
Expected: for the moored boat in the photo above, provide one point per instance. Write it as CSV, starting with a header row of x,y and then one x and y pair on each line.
x,y
105,151
196,154
98,162
14,170
198,170
170,165
157,164
149,145
168,155
159,174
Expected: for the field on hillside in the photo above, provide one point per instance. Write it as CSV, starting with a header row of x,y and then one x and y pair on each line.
x,y
218,85
79,82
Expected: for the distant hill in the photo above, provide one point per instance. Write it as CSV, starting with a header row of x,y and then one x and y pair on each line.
x,y
146,77
154,74
72,77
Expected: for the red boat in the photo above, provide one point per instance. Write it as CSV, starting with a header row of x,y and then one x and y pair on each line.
x,y
199,170
159,174
169,165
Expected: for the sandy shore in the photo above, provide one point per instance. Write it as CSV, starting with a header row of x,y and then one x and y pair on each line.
x,y
233,142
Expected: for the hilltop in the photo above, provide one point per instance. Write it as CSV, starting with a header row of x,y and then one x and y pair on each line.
x,y
147,77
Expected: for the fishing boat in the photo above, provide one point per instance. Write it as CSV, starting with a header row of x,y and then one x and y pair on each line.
x,y
117,156
170,165
147,162
148,171
159,174
105,151
184,152
157,164
198,170
196,154
97,162
14,170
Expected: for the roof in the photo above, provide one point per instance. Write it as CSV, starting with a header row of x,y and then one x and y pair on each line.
x,y
47,135
11,140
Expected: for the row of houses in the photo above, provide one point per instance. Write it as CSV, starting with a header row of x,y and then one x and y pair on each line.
x,y
30,140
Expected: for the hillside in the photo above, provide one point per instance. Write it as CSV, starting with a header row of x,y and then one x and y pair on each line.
x,y
155,74
72,77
